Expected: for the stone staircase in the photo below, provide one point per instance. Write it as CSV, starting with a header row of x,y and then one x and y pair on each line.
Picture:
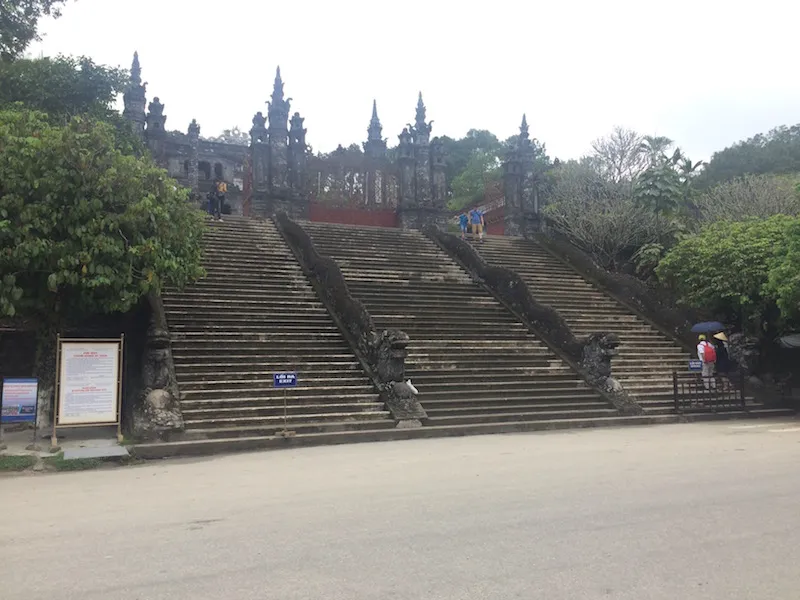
x,y
255,314
472,362
647,356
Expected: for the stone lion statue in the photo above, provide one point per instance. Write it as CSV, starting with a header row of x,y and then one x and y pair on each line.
x,y
598,350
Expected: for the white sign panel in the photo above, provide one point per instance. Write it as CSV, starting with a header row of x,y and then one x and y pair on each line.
x,y
89,383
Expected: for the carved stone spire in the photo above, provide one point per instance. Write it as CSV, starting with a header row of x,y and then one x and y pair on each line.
x,y
134,97
375,146
136,70
278,107
156,119
420,111
422,129
524,138
375,130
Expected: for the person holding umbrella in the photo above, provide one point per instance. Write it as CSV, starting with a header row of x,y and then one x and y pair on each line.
x,y
708,356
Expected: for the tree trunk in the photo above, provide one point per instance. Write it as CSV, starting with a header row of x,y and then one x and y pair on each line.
x,y
45,372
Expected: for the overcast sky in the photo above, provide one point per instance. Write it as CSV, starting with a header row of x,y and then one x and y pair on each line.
x,y
705,73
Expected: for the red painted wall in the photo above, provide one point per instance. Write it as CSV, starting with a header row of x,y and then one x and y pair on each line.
x,y
495,221
352,216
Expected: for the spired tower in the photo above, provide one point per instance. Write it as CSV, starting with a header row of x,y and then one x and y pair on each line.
x,y
519,186
375,155
278,158
135,97
278,137
423,189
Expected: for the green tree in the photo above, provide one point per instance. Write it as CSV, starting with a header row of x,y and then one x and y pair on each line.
x,y
62,87
85,229
459,152
777,152
18,21
784,278
659,186
482,170
727,269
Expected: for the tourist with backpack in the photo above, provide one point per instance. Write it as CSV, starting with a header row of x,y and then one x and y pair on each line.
x,y
708,356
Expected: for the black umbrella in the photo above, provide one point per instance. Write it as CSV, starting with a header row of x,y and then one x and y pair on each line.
x,y
708,327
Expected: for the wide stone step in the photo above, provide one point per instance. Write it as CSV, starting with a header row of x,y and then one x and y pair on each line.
x,y
500,394
253,402
278,317
218,420
329,427
233,391
306,380
276,327
435,418
300,410
521,404
249,372
263,350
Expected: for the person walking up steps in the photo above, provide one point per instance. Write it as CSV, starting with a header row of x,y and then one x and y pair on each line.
x,y
476,218
708,355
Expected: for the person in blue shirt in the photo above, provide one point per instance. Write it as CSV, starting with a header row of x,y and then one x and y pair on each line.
x,y
476,218
463,220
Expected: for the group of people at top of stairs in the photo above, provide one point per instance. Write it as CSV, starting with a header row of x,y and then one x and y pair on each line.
x,y
475,219
216,199
714,358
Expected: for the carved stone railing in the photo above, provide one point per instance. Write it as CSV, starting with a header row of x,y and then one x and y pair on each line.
x,y
590,357
157,414
381,353
652,305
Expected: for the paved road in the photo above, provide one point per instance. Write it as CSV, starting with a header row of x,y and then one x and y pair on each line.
x,y
677,512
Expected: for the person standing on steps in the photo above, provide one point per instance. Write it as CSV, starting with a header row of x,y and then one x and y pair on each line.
x,y
220,188
708,356
213,205
476,218
463,222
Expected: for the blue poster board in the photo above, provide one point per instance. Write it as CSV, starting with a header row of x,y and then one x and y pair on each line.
x,y
695,365
19,399
285,380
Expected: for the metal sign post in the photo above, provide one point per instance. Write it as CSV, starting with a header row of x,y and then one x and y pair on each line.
x,y
285,381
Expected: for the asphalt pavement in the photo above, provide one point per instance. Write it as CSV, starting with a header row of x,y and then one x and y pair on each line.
x,y
707,511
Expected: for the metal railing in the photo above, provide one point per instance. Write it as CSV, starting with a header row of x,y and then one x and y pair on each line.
x,y
694,393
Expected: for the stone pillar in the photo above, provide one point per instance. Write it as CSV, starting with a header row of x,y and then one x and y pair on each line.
x,y
259,153
298,158
194,143
512,193
375,161
407,205
438,176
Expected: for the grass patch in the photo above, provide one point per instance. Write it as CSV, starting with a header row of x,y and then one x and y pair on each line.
x,y
16,463
58,463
